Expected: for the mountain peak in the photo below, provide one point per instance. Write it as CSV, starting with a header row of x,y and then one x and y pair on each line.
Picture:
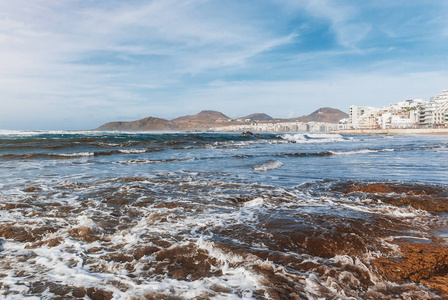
x,y
206,116
210,119
145,124
324,114
257,117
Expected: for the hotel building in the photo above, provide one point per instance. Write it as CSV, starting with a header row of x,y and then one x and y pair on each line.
x,y
406,114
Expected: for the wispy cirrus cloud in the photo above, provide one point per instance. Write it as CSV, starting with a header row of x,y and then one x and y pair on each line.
x,y
344,20
103,51
75,64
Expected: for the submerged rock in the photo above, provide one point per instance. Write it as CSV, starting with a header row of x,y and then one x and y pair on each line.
x,y
424,262
429,198
31,189
24,233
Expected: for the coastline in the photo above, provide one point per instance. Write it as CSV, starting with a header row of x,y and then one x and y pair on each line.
x,y
395,131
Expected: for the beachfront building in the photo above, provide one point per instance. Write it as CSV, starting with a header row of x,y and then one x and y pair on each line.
x,y
360,116
344,124
270,126
435,112
405,114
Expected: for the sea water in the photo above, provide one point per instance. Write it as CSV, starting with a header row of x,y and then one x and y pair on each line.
x,y
206,215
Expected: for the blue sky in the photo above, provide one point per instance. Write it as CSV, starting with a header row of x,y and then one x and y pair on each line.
x,y
76,64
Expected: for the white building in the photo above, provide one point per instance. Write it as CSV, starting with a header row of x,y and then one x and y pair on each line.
x,y
280,127
435,112
358,116
403,114
344,124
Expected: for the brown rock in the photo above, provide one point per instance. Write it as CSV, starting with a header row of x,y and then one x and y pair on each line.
x,y
417,196
148,250
78,292
50,243
30,189
24,234
418,262
94,249
194,263
83,233
96,294
8,206
438,283
118,257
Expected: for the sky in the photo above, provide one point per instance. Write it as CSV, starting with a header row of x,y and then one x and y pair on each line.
x,y
76,64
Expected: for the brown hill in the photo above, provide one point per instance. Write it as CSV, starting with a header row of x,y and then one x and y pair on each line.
x,y
206,116
325,114
210,119
146,124
257,117
203,120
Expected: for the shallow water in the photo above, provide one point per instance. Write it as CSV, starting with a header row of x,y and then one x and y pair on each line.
x,y
211,215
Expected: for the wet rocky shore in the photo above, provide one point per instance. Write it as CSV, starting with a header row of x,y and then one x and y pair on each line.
x,y
332,239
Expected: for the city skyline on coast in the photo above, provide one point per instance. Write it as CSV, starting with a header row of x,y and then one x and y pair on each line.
x,y
75,65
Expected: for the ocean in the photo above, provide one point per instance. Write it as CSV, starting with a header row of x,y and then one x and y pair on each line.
x,y
108,215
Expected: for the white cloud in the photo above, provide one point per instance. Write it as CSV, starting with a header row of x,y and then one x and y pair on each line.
x,y
303,97
93,61
97,54
343,17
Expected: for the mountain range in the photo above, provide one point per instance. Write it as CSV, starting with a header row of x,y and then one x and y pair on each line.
x,y
209,119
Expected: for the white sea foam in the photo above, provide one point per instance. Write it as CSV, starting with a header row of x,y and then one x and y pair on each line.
x,y
256,202
76,154
84,220
270,165
361,151
314,138
323,135
154,161
399,237
243,144
441,149
132,151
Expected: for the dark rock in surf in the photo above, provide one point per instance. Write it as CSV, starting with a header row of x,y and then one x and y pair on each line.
x,y
418,262
431,199
247,133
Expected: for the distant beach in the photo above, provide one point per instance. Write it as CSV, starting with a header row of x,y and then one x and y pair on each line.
x,y
394,131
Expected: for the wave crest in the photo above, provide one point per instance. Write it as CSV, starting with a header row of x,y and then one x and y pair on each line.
x,y
314,138
270,165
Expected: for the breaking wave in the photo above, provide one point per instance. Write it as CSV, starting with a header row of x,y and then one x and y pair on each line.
x,y
315,138
270,165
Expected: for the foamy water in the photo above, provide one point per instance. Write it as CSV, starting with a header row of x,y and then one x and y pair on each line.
x,y
269,165
315,138
208,216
